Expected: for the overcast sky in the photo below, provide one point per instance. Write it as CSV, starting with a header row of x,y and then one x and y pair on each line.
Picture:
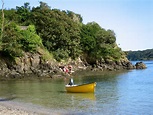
x,y
131,20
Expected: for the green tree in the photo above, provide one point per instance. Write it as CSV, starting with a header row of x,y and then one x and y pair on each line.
x,y
10,15
57,30
97,43
23,13
62,33
74,16
30,40
16,40
10,41
88,40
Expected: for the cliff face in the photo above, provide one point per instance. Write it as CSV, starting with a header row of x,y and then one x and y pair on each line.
x,y
33,64
26,65
111,65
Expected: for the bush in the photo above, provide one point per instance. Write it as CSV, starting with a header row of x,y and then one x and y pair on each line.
x,y
16,40
10,40
61,54
30,40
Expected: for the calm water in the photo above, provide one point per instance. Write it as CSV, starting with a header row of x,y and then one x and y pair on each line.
x,y
129,93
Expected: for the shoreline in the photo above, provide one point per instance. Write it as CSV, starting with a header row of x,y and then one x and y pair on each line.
x,y
12,107
4,110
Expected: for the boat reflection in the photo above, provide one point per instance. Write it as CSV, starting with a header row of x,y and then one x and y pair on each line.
x,y
83,96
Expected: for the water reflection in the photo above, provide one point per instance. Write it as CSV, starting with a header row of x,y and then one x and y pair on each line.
x,y
82,96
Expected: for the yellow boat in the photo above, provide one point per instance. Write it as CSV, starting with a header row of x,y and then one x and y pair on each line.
x,y
84,88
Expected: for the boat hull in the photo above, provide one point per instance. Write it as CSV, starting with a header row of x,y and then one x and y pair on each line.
x,y
84,88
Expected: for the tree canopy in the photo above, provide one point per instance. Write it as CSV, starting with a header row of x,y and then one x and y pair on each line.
x,y
62,33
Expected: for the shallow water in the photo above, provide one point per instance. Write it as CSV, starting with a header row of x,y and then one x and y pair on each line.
x,y
129,92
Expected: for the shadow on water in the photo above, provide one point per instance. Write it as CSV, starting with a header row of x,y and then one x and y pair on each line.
x,y
7,99
62,91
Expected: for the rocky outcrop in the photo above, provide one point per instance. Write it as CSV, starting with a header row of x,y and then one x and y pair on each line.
x,y
115,65
29,64
34,65
140,65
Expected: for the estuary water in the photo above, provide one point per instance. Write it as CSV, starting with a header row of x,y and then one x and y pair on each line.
x,y
117,93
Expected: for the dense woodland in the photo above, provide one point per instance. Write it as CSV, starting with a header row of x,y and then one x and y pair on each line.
x,y
140,55
60,33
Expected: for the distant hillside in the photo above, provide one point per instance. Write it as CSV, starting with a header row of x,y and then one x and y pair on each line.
x,y
140,55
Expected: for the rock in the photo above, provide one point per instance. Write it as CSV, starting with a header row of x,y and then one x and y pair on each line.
x,y
140,65
35,60
130,66
35,64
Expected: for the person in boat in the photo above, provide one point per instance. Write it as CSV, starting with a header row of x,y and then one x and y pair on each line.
x,y
71,82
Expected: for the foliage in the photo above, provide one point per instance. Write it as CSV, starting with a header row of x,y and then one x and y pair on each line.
x,y
30,40
45,54
61,33
0,31
61,54
10,40
140,55
16,41
23,13
98,43
10,15
73,16
57,30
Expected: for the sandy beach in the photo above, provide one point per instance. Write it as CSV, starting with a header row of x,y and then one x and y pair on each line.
x,y
10,107
12,111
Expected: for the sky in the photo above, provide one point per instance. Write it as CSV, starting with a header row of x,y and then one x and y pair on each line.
x,y
131,20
